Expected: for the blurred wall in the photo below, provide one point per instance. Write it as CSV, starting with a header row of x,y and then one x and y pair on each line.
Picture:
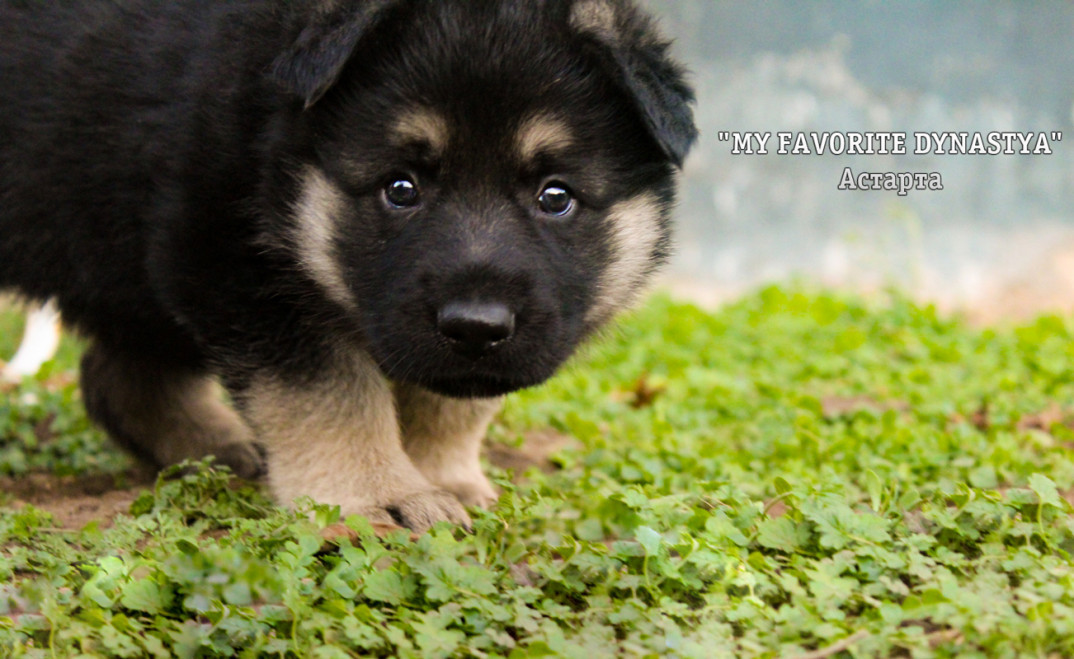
x,y
1000,236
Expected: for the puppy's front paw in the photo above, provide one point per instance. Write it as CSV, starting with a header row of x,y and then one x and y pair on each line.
x,y
246,459
420,510
477,491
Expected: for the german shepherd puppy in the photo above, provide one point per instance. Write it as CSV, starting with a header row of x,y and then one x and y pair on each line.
x,y
369,219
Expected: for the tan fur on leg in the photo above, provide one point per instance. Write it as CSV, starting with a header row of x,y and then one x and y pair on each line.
x,y
165,415
337,441
443,437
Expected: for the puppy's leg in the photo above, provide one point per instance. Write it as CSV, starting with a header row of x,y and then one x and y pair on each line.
x,y
335,438
165,414
39,343
443,437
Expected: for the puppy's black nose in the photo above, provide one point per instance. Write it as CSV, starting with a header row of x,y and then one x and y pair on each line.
x,y
476,326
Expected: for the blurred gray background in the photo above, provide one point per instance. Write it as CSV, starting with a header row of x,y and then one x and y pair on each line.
x,y
998,240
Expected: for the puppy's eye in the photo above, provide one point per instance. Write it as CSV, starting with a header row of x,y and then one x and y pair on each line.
x,y
402,193
555,199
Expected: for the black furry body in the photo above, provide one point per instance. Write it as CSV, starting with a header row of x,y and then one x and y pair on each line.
x,y
152,157
136,141
120,158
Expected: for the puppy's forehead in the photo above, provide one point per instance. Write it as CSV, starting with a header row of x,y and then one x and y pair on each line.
x,y
423,126
542,133
536,134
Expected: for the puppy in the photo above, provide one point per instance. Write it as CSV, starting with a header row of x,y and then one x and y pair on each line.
x,y
40,341
368,219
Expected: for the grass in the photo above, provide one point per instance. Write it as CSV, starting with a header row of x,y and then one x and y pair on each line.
x,y
800,474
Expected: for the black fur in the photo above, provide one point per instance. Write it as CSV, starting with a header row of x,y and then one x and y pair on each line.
x,y
640,64
151,155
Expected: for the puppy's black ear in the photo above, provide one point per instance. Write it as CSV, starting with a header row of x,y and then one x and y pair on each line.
x,y
637,57
329,34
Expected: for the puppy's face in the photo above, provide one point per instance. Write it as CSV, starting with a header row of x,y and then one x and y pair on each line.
x,y
483,194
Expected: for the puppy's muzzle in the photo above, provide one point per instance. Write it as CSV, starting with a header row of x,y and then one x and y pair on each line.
x,y
473,327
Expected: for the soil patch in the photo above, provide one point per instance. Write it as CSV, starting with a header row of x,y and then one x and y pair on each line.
x,y
75,501
536,450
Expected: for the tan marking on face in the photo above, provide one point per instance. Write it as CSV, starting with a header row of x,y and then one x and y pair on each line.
x,y
422,126
542,134
319,207
636,232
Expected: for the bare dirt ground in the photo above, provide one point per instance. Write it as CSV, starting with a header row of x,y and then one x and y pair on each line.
x,y
75,501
